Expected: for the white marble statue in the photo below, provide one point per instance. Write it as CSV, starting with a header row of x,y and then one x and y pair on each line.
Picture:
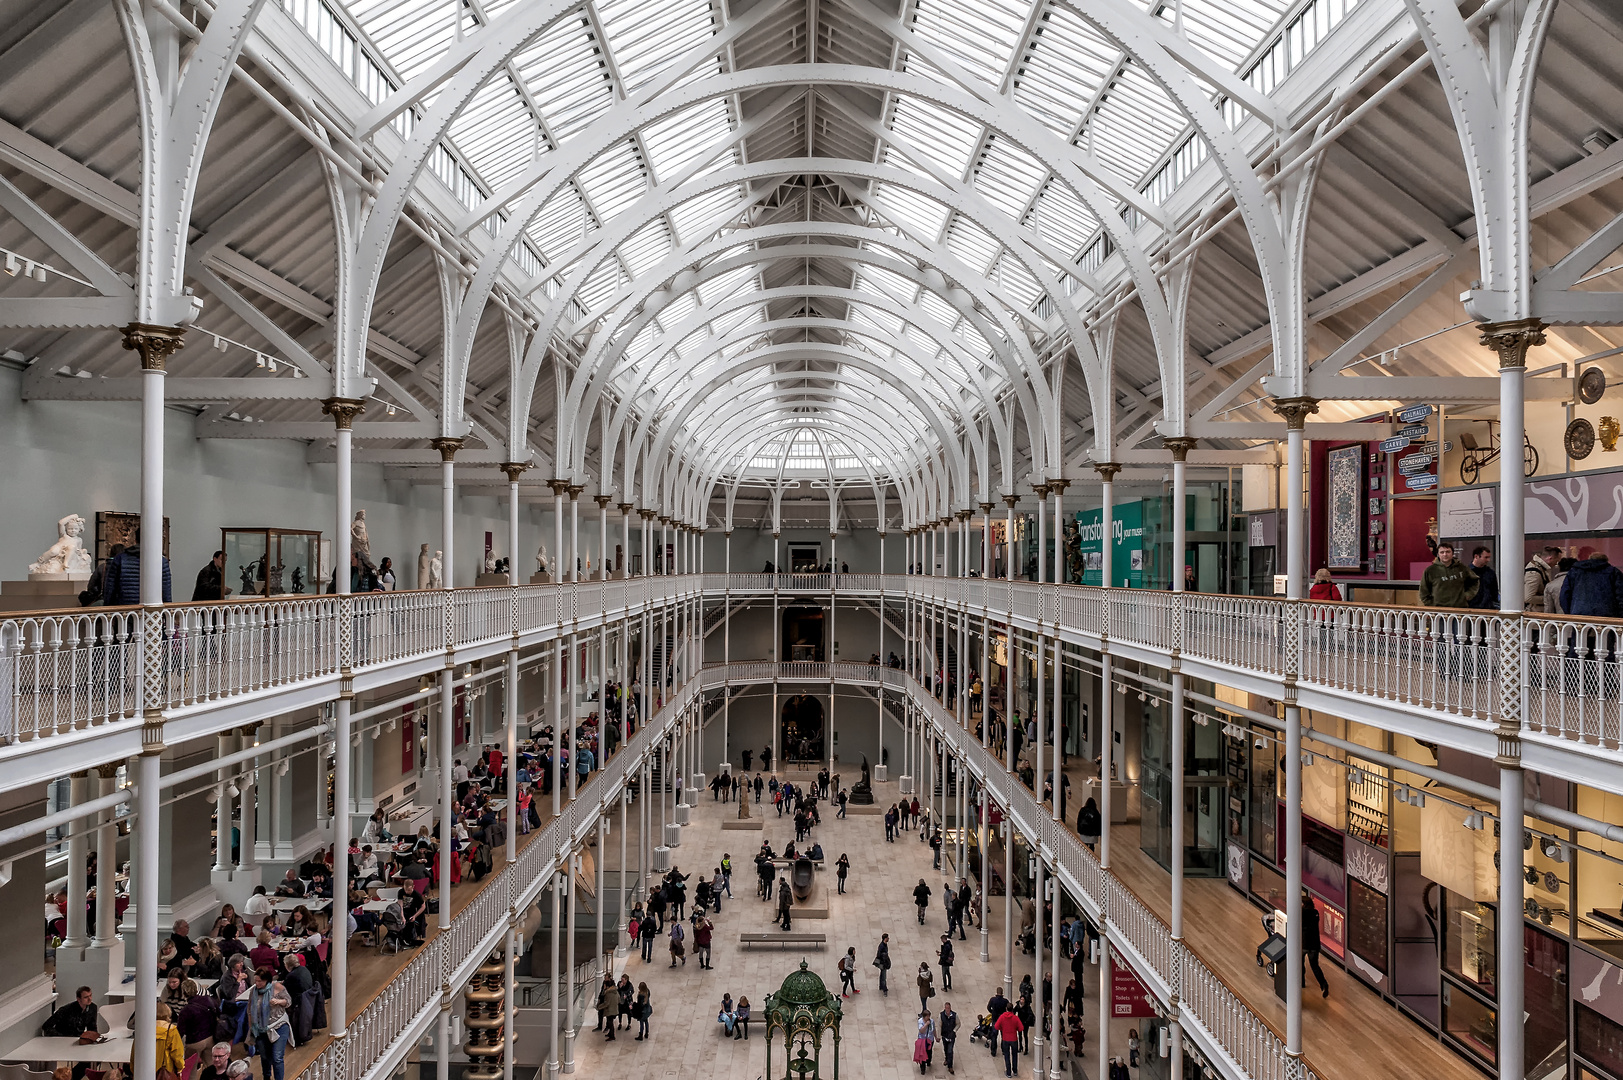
x,y
490,562
423,560
359,542
67,558
541,559
436,568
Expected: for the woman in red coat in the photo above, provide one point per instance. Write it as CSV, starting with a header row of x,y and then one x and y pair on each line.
x,y
1323,587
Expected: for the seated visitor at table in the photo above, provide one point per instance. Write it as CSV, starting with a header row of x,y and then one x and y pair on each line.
x,y
74,1018
290,884
264,954
259,904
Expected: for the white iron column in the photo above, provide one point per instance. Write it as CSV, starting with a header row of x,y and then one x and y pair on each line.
x,y
1008,536
574,531
145,861
447,789
1042,532
78,858
573,876
105,933
1511,341
1038,890
625,539
555,991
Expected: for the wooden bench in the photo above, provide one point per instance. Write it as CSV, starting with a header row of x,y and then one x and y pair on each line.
x,y
782,938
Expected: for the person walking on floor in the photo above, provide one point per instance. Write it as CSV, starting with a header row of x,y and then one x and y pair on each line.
x,y
1088,824
881,961
946,961
843,867
924,1043
935,847
647,930
921,898
1311,943
702,931
848,973
678,952
926,987
946,1029
1009,1027
996,1006
785,902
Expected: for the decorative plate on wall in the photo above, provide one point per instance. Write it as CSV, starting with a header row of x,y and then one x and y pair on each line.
x,y
1580,438
1591,385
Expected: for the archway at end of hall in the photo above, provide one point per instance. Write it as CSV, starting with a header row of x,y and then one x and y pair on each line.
x,y
802,729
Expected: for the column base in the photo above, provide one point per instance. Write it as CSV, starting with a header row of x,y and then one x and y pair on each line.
x,y
661,859
696,784
725,768
906,784
881,773
684,816
673,832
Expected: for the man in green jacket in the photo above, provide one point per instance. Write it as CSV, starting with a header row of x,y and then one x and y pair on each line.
x,y
1447,583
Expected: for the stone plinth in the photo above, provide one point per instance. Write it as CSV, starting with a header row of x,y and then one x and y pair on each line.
x,y
42,592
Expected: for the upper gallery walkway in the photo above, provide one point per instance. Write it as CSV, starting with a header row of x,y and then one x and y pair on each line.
x,y
75,685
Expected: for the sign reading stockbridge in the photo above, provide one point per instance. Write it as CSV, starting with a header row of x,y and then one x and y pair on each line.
x,y
1126,546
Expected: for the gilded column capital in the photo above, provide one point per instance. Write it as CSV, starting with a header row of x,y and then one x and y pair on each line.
x,y
343,411
154,343
1107,470
1180,445
514,469
1511,340
1296,410
447,446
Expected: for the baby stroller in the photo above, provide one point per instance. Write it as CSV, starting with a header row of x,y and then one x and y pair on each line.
x,y
984,1031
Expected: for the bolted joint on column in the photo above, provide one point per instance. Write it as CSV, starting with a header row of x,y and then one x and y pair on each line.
x,y
154,343
343,411
514,470
1296,410
1180,445
1107,470
1512,339
447,446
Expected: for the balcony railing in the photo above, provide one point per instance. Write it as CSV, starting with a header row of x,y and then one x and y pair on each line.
x,y
69,671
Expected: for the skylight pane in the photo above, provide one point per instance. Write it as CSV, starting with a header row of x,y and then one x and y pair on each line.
x,y
922,215
646,34
1135,125
973,244
943,137
565,73
696,218
678,140
646,247
613,180
557,228
978,34
1008,177
496,133
1067,63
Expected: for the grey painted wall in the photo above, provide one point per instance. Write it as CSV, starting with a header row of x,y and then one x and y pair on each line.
x,y
80,457
22,951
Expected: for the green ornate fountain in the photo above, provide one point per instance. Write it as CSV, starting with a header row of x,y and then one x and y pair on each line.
x,y
802,1011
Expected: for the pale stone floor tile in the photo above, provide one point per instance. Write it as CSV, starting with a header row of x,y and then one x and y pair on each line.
x,y
685,1041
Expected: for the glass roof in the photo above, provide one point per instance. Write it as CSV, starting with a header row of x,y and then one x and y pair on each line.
x,y
557,91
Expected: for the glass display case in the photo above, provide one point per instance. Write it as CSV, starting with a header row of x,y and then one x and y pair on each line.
x,y
1471,1022
271,562
1469,947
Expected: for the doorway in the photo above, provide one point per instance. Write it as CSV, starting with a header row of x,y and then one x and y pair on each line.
x,y
803,634
804,558
801,728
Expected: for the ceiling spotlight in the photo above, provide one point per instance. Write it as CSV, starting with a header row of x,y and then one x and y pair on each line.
x,y
219,342
282,769
1473,821
270,365
1261,743
12,265
259,359
232,790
